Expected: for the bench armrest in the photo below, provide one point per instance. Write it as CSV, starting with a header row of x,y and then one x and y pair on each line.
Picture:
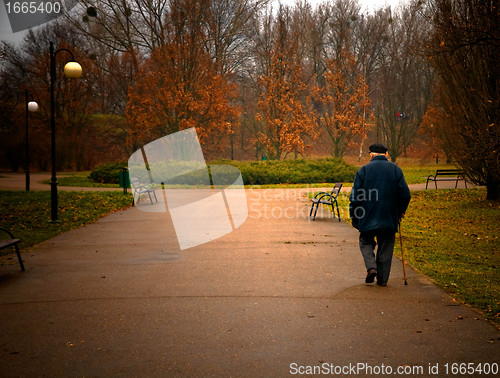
x,y
321,194
330,197
8,232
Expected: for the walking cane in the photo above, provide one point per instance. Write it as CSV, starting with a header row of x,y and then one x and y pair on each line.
x,y
402,252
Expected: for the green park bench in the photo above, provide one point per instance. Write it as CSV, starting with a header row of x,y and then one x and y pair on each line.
x,y
12,242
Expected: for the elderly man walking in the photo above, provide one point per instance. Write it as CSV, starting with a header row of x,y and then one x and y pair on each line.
x,y
379,199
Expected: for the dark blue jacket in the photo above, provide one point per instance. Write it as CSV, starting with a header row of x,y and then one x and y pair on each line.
x,y
379,196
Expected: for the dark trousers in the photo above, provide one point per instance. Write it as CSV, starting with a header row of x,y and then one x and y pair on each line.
x,y
382,261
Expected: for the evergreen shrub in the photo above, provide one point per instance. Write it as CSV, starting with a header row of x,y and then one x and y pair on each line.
x,y
300,171
108,173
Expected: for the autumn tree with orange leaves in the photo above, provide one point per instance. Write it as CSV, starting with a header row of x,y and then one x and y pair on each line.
x,y
343,104
433,126
178,88
284,105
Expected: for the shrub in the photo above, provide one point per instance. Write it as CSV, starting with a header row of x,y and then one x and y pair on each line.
x,y
107,173
326,170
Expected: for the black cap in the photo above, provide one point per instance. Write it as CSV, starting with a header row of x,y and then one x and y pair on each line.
x,y
378,148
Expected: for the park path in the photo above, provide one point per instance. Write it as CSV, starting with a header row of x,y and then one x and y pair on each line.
x,y
119,298
17,181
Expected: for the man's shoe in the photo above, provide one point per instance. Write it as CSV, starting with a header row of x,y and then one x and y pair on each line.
x,y
381,283
370,277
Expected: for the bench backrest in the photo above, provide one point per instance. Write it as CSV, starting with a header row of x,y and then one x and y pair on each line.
x,y
449,172
134,181
336,189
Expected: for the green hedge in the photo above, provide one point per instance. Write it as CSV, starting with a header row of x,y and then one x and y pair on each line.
x,y
326,170
107,173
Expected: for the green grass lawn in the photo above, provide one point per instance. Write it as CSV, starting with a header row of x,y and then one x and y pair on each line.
x,y
451,235
27,214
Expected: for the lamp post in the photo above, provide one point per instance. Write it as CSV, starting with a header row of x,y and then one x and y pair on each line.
x,y
31,106
72,70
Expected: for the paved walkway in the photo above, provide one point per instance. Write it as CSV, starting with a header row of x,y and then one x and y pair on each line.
x,y
118,298
17,181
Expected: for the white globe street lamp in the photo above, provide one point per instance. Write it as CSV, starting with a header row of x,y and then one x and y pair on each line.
x,y
31,106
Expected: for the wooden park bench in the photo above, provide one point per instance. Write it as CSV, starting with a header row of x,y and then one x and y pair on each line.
x,y
12,242
140,189
447,175
329,199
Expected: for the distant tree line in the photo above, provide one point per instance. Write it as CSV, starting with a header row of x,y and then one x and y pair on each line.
x,y
259,79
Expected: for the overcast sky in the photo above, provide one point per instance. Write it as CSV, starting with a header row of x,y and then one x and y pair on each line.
x,y
366,5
